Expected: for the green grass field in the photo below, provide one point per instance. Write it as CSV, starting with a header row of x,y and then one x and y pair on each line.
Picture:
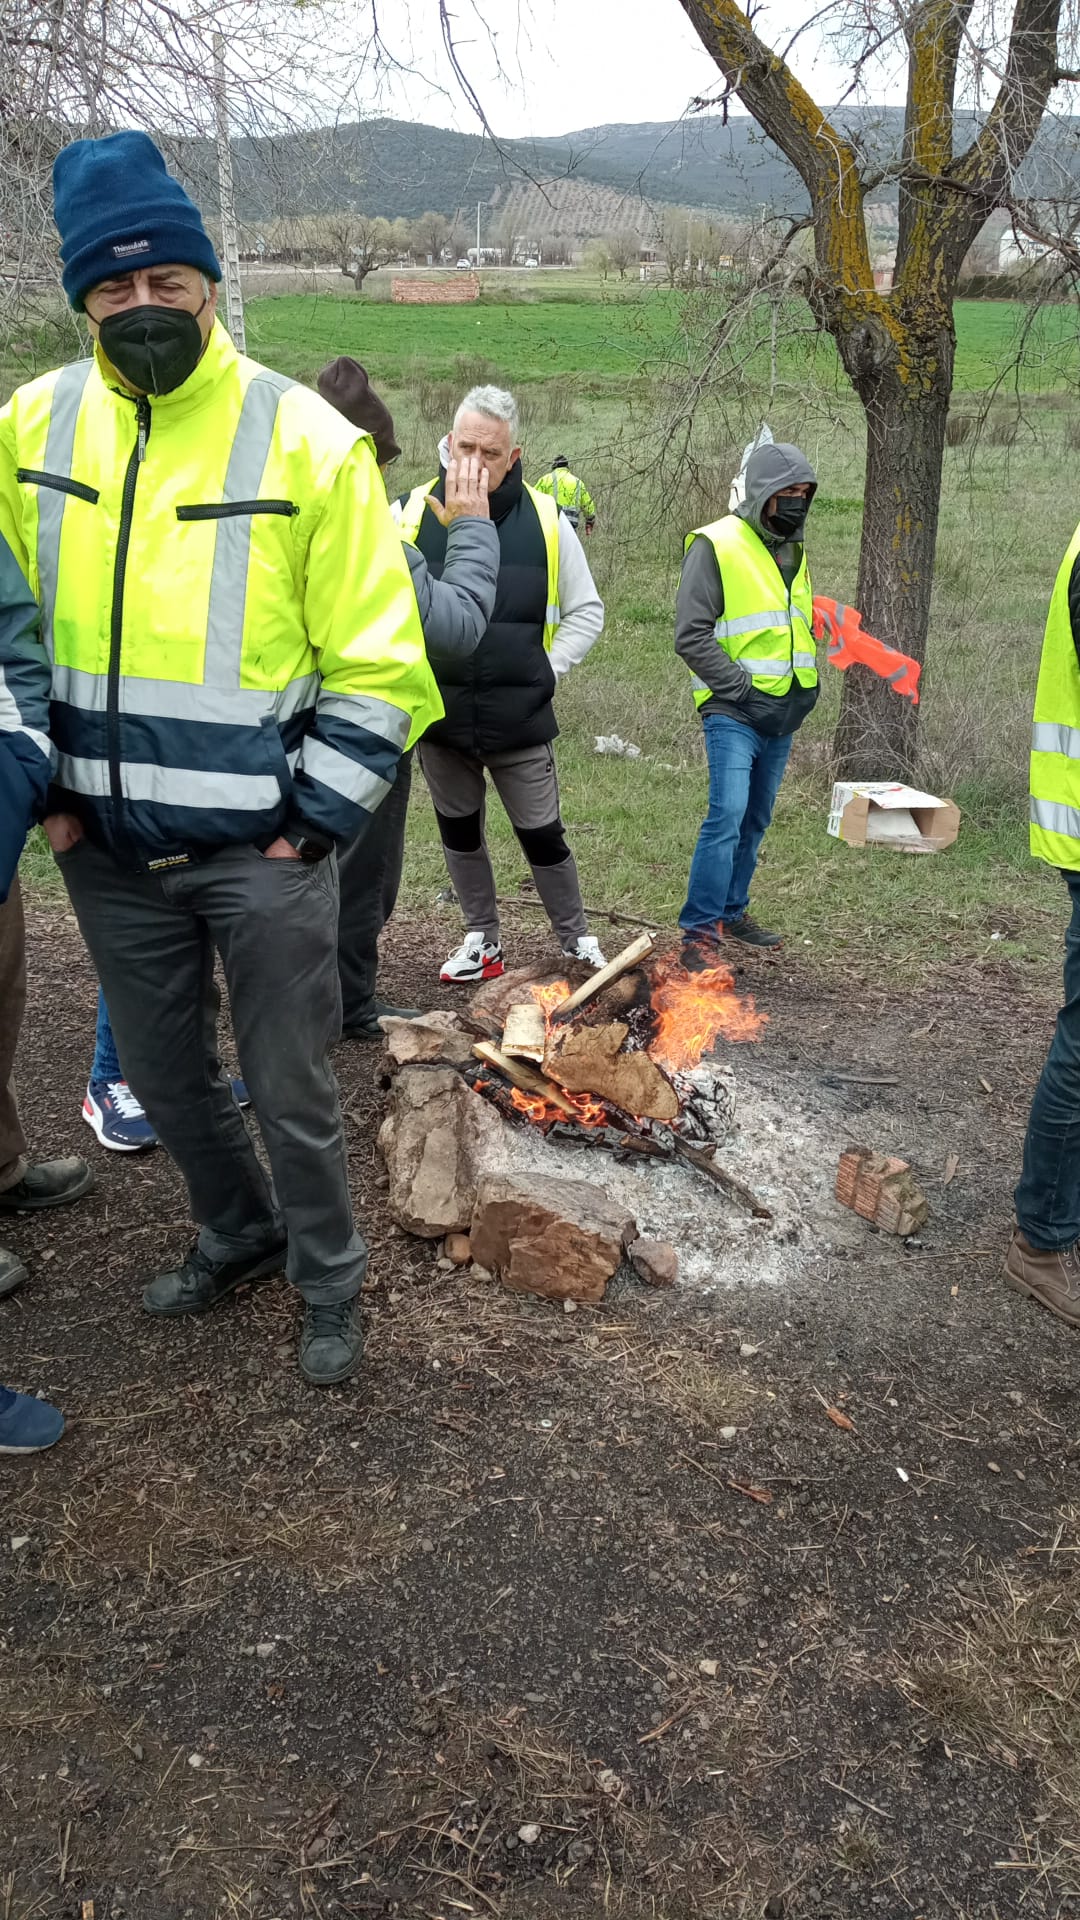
x,y
618,335
594,380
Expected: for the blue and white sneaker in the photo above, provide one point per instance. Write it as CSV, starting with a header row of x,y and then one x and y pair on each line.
x,y
117,1118
240,1093
27,1425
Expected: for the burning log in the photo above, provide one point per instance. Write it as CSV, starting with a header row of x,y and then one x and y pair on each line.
x,y
525,1031
622,963
591,1060
525,1077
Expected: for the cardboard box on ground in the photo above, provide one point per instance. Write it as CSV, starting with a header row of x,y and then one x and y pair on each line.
x,y
883,813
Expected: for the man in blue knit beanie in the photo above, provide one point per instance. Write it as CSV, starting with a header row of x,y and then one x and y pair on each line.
x,y
229,669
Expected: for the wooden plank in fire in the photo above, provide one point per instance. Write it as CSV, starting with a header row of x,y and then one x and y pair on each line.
x,y
525,1031
520,1074
622,963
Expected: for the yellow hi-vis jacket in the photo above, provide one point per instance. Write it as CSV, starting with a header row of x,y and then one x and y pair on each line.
x,y
767,627
412,512
1055,734
230,641
568,492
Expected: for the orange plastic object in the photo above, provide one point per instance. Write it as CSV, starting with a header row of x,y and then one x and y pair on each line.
x,y
850,646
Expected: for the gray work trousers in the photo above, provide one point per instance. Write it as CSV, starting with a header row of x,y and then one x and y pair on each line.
x,y
369,875
12,1007
152,938
527,784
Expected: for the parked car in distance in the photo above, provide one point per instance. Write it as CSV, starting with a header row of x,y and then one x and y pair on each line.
x,y
463,266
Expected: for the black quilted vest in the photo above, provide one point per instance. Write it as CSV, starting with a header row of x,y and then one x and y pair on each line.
x,y
500,698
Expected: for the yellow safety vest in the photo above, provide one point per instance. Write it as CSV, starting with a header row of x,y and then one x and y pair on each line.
x,y
767,627
226,608
1055,734
567,491
414,507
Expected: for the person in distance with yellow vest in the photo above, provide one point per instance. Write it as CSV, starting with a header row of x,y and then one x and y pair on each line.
x,y
1044,1254
499,716
570,494
744,627
231,666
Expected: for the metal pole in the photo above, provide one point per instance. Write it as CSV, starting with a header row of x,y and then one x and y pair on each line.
x,y
234,299
478,236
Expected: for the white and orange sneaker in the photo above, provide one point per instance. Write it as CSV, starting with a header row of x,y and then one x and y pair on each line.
x,y
477,958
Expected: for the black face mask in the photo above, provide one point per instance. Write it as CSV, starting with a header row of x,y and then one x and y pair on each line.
x,y
788,517
155,349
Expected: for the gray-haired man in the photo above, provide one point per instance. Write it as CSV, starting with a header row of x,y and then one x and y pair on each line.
x,y
499,716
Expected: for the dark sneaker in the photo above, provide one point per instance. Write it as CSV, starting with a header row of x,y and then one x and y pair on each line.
x,y
700,952
12,1272
201,1282
53,1183
27,1425
1053,1279
747,930
240,1093
368,1028
331,1342
117,1117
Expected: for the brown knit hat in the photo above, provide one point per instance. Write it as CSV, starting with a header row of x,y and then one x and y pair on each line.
x,y
346,385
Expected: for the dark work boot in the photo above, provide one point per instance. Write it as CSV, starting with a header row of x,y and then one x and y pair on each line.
x,y
332,1341
367,1027
12,1272
201,1282
52,1183
747,930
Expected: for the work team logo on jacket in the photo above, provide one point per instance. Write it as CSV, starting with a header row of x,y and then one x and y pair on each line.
x,y
766,628
1055,735
226,608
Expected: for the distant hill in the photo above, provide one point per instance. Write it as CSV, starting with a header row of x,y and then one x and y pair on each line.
x,y
396,168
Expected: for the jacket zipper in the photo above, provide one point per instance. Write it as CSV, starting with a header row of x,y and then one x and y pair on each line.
x,y
116,628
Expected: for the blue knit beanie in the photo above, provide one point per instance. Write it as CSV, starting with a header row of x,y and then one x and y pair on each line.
x,y
117,208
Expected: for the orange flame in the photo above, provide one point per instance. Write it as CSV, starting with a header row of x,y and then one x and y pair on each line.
x,y
693,1010
587,1111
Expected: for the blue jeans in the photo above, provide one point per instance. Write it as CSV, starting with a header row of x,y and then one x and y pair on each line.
x,y
1048,1197
106,1060
745,771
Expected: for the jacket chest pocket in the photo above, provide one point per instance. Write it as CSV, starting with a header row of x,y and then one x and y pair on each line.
x,y
57,483
238,509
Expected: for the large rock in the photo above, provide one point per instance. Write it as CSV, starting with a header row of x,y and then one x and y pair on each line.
x,y
437,1037
433,1140
560,1238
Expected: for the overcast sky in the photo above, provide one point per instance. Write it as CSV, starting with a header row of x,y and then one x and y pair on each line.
x,y
569,64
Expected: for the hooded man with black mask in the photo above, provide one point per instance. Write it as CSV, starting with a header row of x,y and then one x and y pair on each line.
x,y
744,626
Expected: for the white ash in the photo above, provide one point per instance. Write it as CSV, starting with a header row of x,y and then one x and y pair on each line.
x,y
782,1152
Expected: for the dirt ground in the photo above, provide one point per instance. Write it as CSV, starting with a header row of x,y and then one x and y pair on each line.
x,y
506,1626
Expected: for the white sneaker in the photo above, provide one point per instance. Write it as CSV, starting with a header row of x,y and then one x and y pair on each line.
x,y
588,950
475,959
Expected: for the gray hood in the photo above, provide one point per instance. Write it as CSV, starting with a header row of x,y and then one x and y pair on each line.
x,y
769,470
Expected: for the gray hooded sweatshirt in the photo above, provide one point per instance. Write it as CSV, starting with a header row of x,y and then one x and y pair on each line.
x,y
700,604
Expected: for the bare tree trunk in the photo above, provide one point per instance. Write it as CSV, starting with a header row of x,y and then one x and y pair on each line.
x,y
907,405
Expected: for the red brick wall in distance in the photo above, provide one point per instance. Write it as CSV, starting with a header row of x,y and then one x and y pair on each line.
x,y
463,288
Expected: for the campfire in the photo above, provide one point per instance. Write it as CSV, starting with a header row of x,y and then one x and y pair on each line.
x,y
619,1062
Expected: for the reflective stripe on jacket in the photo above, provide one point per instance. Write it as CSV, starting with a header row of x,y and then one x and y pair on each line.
x,y
414,507
1055,734
568,492
766,628
229,631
